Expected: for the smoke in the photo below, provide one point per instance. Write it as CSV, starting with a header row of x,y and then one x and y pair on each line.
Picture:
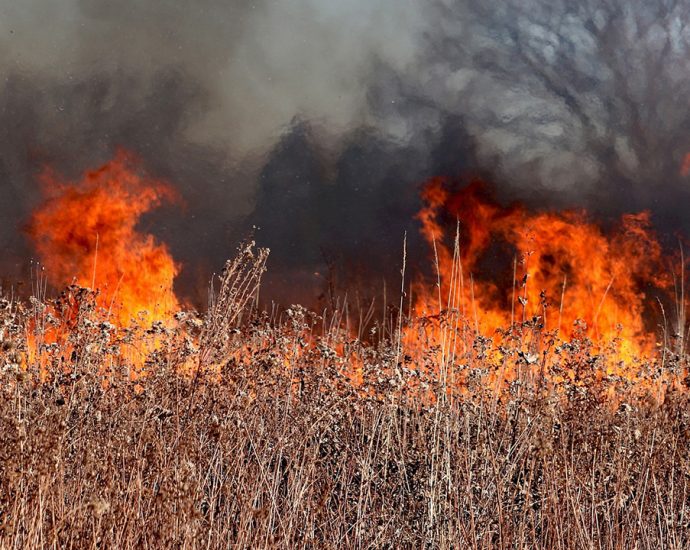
x,y
260,63
201,93
570,102
339,222
314,122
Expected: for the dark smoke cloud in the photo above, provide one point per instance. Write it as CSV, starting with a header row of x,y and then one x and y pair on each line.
x,y
317,121
201,92
571,102
78,125
340,221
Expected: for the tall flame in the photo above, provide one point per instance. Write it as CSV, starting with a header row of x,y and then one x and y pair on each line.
x,y
565,270
85,233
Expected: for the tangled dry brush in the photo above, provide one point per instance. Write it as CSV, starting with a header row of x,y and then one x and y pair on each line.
x,y
249,430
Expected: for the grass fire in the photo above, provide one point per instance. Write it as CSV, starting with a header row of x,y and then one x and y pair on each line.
x,y
537,408
323,274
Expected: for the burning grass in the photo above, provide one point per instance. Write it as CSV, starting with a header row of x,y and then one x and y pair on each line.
x,y
547,416
249,429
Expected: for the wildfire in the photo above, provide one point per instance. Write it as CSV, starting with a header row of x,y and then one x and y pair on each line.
x,y
559,270
85,233
510,271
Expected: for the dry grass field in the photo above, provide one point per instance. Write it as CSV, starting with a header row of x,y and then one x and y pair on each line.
x,y
242,429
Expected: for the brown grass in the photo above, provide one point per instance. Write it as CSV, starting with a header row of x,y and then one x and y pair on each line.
x,y
267,442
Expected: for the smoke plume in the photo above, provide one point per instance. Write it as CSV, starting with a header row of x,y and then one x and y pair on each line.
x,y
313,123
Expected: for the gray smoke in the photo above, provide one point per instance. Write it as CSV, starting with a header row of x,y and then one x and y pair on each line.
x,y
574,100
317,121
261,63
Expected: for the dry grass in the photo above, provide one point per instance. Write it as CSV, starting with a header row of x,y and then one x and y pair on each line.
x,y
268,442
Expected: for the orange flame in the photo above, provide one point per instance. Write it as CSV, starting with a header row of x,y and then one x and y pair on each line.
x,y
557,268
85,233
